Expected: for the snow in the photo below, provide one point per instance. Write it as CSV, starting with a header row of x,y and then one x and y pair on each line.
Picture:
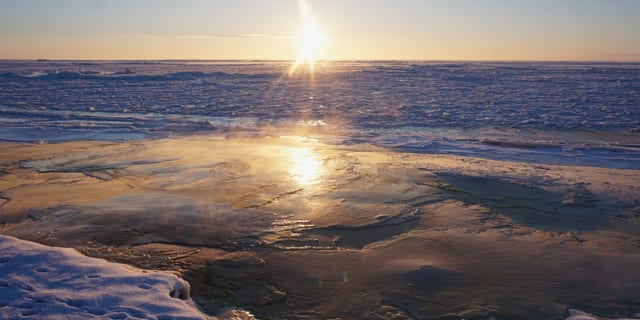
x,y
40,282
575,314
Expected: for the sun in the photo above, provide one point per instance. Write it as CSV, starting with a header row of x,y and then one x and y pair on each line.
x,y
311,39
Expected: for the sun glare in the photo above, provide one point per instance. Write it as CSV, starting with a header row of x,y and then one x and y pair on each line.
x,y
311,40
306,166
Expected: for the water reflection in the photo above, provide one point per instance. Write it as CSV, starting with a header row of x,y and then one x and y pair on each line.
x,y
306,166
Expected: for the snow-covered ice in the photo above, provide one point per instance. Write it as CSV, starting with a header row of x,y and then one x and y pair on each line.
x,y
575,314
41,282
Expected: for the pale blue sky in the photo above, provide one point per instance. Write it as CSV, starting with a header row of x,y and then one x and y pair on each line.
x,y
358,29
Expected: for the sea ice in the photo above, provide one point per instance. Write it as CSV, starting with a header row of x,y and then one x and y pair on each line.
x,y
494,109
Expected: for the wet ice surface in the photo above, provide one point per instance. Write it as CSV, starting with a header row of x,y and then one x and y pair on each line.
x,y
543,112
219,193
291,227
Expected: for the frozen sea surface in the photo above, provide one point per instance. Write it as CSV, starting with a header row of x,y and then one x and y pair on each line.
x,y
560,113
272,193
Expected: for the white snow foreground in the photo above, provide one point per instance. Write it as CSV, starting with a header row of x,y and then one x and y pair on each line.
x,y
581,315
43,282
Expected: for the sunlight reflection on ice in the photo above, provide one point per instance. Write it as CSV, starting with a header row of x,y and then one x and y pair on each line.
x,y
313,123
306,165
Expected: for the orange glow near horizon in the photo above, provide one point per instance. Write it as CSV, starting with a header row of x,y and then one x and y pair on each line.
x,y
543,30
311,40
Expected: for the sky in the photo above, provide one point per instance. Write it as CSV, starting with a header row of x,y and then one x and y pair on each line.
x,y
354,29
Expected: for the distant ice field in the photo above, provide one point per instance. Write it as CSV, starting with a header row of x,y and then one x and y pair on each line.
x,y
562,113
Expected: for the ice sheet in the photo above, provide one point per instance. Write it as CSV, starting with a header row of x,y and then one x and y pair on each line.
x,y
409,189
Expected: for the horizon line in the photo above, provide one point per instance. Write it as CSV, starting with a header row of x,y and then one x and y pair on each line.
x,y
326,60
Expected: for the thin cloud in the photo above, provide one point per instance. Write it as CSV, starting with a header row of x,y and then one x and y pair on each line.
x,y
219,36
212,36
